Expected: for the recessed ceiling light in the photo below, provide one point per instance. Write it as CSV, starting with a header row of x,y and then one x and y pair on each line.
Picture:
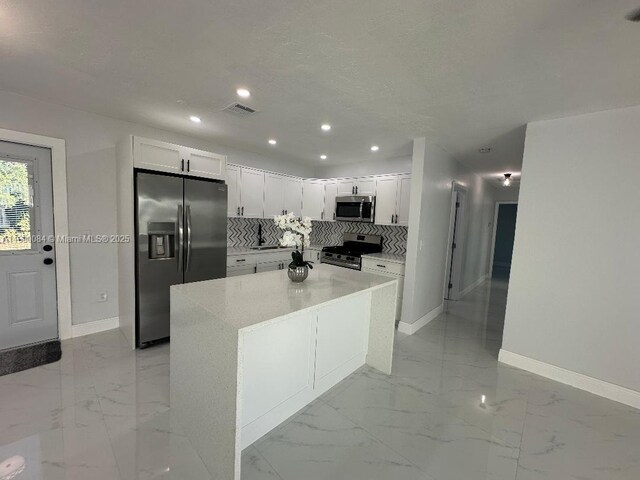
x,y
243,92
325,127
484,149
272,141
375,148
195,119
507,179
323,157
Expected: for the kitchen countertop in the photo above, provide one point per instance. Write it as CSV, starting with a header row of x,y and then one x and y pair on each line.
x,y
249,300
389,257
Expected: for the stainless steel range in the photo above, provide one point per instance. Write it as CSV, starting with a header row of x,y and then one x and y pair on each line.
x,y
349,254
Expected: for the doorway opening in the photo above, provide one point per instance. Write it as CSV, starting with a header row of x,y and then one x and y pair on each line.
x,y
503,238
457,232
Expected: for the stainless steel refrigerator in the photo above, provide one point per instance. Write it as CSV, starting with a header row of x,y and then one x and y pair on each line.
x,y
181,237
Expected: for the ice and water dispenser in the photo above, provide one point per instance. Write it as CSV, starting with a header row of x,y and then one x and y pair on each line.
x,y
162,240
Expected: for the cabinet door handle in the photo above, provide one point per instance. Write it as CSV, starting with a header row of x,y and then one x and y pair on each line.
x,y
241,260
322,215
356,189
392,218
334,215
381,266
238,211
242,211
188,165
182,165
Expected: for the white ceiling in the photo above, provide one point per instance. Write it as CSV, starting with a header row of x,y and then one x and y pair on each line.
x,y
465,73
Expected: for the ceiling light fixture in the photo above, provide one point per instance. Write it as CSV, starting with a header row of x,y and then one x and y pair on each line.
x,y
484,149
243,92
507,179
323,157
325,127
195,119
272,141
375,148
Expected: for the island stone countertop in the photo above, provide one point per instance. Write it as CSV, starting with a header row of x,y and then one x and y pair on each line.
x,y
249,300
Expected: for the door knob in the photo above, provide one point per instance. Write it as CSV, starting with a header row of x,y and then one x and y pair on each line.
x,y
48,261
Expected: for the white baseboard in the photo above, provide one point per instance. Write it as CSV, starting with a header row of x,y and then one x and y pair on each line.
x,y
98,326
411,328
475,284
569,377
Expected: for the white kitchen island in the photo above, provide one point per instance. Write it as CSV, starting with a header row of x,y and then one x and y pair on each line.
x,y
248,352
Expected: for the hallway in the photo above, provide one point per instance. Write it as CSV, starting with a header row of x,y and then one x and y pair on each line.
x,y
448,412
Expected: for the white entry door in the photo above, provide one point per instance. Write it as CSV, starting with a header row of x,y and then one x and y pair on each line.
x,y
28,307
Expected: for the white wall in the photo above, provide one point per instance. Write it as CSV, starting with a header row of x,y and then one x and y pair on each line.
x,y
434,171
90,142
573,294
507,194
378,167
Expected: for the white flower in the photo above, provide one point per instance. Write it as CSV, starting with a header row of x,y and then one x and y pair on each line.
x,y
297,232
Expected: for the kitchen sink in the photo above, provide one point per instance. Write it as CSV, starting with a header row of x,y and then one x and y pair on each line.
x,y
266,247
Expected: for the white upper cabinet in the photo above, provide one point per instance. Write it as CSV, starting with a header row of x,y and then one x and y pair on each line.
x,y
204,164
273,195
366,186
282,195
404,199
313,199
155,155
346,186
292,195
386,199
392,199
233,191
330,194
356,186
167,157
252,193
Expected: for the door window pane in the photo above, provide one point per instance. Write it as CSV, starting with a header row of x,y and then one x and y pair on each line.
x,y
16,205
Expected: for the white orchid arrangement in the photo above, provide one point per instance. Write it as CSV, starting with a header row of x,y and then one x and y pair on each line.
x,y
297,232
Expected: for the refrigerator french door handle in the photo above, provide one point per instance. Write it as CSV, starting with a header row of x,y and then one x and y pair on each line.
x,y
179,246
188,260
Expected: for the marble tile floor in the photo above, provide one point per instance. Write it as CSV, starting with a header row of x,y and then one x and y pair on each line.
x,y
449,411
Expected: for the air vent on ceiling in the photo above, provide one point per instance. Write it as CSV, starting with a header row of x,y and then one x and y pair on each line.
x,y
239,109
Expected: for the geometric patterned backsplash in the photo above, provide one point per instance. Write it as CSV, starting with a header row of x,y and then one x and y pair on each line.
x,y
394,238
243,232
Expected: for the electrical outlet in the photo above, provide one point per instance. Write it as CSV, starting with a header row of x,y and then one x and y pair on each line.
x,y
103,296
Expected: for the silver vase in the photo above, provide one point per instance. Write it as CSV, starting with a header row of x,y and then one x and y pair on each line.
x,y
298,274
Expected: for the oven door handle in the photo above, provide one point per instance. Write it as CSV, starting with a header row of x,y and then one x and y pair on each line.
x,y
361,210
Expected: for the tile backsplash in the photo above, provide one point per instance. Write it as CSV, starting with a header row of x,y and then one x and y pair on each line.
x,y
243,232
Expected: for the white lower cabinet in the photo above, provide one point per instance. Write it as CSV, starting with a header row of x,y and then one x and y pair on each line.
x,y
388,269
342,338
277,365
257,262
288,363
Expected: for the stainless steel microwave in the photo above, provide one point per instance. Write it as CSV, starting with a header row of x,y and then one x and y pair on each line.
x,y
356,208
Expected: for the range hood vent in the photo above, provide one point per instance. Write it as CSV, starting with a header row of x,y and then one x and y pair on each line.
x,y
239,109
